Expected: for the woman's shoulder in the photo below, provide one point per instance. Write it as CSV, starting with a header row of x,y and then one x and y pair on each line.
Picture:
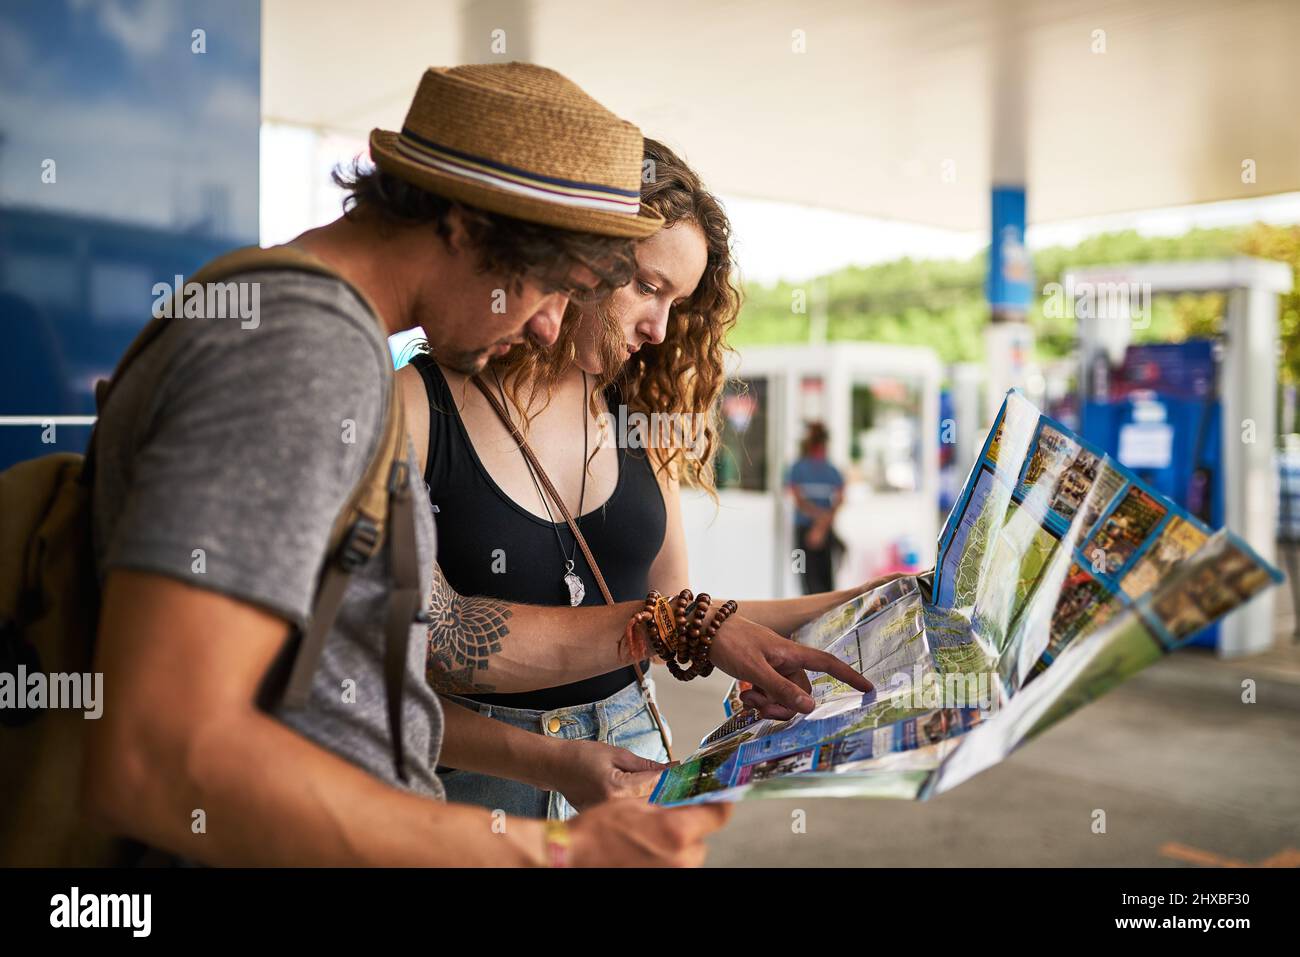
x,y
438,382
423,364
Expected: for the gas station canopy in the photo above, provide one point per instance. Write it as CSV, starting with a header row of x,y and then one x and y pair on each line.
x,y
895,109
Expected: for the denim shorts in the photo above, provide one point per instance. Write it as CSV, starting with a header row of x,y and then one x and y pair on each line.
x,y
623,719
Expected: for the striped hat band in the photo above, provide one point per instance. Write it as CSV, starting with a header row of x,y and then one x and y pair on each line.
x,y
521,182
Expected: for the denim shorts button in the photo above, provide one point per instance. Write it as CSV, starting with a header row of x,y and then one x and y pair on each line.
x,y
553,725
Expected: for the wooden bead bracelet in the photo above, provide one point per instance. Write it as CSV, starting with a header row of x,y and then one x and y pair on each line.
x,y
680,631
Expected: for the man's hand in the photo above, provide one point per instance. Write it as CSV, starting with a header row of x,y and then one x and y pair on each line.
x,y
776,667
632,833
590,772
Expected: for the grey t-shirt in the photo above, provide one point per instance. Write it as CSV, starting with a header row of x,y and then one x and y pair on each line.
x,y
245,443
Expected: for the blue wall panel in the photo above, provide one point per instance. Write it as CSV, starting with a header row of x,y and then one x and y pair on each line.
x,y
128,154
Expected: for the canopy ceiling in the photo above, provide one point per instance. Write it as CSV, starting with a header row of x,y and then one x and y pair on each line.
x,y
902,109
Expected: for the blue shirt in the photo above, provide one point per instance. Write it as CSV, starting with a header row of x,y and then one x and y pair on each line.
x,y
817,481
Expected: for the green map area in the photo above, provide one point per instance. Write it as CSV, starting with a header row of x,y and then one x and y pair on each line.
x,y
968,571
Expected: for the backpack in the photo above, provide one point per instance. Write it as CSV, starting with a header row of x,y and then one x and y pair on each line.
x,y
49,605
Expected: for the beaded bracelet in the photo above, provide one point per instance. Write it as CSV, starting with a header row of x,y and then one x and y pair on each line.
x,y
704,643
679,630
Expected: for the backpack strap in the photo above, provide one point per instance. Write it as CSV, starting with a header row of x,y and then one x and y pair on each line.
x,y
381,501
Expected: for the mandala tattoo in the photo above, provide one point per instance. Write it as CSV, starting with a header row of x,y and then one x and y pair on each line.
x,y
463,635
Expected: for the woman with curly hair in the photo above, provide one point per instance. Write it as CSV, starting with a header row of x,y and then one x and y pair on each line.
x,y
619,413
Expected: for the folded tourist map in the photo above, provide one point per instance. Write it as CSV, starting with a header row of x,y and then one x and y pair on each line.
x,y
1059,575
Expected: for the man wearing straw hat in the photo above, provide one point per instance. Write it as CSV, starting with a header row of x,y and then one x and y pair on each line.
x,y
229,448
507,191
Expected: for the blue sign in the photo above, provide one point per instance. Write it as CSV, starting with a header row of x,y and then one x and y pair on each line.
x,y
1010,271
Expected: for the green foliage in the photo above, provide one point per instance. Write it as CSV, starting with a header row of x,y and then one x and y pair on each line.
x,y
1282,243
940,303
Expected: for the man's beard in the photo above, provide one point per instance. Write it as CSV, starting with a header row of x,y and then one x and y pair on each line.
x,y
466,363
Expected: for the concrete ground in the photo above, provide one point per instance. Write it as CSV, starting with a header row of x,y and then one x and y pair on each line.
x,y
1185,772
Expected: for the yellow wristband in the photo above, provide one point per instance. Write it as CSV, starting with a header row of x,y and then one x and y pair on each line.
x,y
557,843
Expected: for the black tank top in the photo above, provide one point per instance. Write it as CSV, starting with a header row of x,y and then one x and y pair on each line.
x,y
489,545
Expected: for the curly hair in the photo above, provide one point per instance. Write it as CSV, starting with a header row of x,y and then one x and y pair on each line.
x,y
514,248
683,375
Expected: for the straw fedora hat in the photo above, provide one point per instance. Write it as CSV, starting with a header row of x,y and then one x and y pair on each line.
x,y
523,141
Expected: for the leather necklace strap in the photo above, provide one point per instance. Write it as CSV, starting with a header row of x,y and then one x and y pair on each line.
x,y
546,484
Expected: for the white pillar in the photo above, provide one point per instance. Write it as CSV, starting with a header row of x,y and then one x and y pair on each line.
x,y
1250,477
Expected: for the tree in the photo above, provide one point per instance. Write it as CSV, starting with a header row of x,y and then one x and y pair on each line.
x,y
940,303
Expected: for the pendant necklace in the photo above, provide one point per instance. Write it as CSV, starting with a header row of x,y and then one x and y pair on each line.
x,y
572,581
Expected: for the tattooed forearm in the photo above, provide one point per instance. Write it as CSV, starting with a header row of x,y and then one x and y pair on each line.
x,y
463,635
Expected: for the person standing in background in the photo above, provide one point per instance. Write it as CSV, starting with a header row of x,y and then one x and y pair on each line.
x,y
818,489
